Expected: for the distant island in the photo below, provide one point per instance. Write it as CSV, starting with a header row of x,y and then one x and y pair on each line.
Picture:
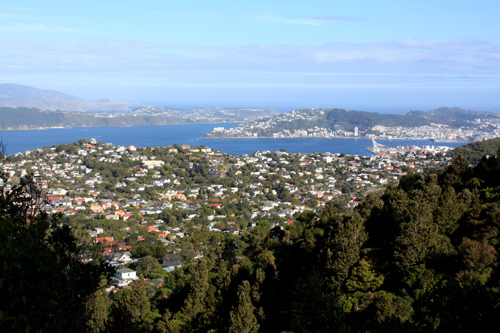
x,y
441,125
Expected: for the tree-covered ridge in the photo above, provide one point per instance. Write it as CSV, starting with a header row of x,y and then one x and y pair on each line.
x,y
30,118
454,116
348,119
474,151
365,120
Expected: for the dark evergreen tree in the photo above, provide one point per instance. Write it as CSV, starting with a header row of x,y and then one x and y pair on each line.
x,y
97,309
242,318
44,283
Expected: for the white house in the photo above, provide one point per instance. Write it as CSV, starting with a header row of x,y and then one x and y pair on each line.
x,y
124,276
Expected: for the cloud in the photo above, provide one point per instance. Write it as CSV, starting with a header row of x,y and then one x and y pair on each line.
x,y
337,18
403,62
10,16
39,28
298,21
314,21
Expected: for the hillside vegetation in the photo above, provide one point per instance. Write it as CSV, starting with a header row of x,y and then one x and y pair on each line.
x,y
23,118
474,151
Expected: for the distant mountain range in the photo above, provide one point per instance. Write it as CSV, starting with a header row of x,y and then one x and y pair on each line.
x,y
16,95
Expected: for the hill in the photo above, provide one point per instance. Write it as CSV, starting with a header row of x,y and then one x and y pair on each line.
x,y
24,118
454,116
330,119
16,95
474,151
440,124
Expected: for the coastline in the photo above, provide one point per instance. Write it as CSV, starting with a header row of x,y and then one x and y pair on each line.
x,y
149,136
124,126
330,137
229,138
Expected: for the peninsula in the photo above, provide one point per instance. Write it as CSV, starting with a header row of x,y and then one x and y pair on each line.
x,y
31,119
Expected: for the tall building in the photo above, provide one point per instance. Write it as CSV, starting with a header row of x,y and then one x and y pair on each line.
x,y
356,131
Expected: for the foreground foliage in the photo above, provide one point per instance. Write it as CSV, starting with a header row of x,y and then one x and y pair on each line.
x,y
44,283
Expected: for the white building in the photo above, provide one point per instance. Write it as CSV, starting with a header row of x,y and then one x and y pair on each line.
x,y
124,276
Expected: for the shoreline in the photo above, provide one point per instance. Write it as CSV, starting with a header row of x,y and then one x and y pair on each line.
x,y
230,138
340,137
125,126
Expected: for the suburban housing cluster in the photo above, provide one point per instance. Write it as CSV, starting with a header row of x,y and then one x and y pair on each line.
x,y
122,196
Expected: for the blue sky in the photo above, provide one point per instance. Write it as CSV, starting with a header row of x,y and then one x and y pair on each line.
x,y
385,56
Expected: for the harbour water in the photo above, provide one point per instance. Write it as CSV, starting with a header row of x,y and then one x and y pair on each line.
x,y
149,136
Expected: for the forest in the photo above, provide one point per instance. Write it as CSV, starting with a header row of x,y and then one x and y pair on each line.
x,y
421,257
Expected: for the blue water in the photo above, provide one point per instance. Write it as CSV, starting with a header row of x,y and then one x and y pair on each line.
x,y
149,136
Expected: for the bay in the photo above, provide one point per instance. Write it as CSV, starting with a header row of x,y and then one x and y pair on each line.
x,y
168,135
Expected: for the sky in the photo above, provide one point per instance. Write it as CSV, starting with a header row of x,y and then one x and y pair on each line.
x,y
382,56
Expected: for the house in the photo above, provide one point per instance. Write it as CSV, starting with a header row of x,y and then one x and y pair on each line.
x,y
171,261
179,196
96,208
158,283
197,254
104,240
119,258
54,200
232,230
151,228
124,276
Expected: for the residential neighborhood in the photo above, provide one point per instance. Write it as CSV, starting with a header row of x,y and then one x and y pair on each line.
x,y
134,203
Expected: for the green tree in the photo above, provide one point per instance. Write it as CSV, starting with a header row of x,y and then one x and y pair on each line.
x,y
364,278
194,303
97,309
138,308
344,238
149,267
241,317
43,281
